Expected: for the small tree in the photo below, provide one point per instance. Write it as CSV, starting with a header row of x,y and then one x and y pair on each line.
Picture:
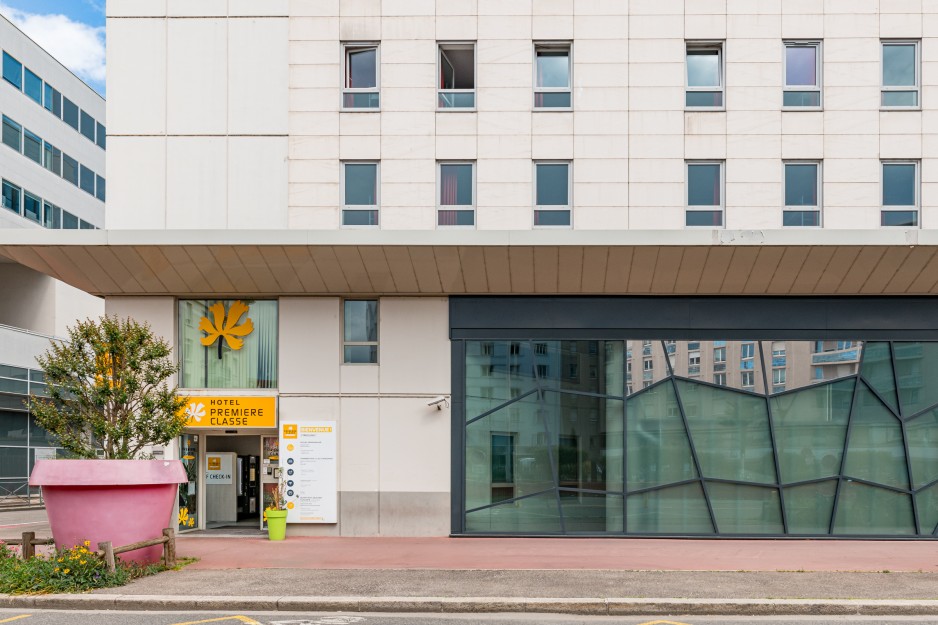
x,y
107,390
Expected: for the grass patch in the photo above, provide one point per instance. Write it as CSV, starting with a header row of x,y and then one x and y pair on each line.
x,y
72,570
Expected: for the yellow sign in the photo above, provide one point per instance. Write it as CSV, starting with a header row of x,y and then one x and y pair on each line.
x,y
228,412
226,328
289,430
214,463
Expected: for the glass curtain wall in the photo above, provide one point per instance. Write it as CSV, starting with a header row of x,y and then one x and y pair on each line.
x,y
747,438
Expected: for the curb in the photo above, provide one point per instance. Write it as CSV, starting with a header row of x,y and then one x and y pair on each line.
x,y
588,606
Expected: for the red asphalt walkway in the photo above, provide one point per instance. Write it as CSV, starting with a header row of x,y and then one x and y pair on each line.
x,y
560,553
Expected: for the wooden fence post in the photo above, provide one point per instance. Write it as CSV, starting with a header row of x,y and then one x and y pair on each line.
x,y
169,548
108,550
29,549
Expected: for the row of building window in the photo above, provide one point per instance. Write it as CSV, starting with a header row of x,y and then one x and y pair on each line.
x,y
704,193
704,76
52,158
46,96
32,207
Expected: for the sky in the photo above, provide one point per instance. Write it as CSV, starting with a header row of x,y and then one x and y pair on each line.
x,y
70,30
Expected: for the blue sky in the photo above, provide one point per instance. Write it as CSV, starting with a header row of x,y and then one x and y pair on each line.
x,y
70,30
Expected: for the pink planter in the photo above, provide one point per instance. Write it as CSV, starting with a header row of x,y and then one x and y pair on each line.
x,y
123,501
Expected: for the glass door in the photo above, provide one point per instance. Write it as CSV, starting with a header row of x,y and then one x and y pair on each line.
x,y
189,490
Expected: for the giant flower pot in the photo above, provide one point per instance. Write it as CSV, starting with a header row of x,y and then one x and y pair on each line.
x,y
123,501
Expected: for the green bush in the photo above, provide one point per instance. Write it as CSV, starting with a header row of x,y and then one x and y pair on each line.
x,y
70,570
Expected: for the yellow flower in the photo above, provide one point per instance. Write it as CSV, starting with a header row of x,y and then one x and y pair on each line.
x,y
87,543
55,570
59,560
81,562
66,571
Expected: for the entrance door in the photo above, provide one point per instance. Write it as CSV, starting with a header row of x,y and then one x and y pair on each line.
x,y
189,491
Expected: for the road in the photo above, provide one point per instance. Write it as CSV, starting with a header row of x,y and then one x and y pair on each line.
x,y
57,617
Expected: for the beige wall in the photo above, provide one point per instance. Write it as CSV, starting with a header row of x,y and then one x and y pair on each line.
x,y
38,303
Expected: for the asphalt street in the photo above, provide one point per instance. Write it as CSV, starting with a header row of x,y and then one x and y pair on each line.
x,y
57,617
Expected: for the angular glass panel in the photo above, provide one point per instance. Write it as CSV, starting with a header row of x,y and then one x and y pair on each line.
x,y
532,515
497,371
703,68
658,450
551,218
456,184
922,433
590,512
868,510
361,320
805,363
589,435
916,364
704,218
808,508
875,451
359,218
899,65
899,184
552,99
362,69
801,98
553,68
12,71
703,184
675,510
361,184
738,361
730,431
457,99
801,218
800,66
32,86
361,100
878,373
509,454
801,183
908,219
704,99
810,426
579,365
553,182
926,502
900,98
645,364
745,509
456,218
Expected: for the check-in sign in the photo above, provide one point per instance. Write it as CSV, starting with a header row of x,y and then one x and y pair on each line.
x,y
231,412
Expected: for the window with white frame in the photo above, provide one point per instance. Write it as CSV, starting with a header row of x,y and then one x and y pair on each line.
x,y
552,69
362,65
747,378
360,194
457,76
901,74
719,379
456,194
900,193
552,194
704,75
802,194
704,193
802,74
360,332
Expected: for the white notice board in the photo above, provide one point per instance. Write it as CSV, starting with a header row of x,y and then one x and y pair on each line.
x,y
308,466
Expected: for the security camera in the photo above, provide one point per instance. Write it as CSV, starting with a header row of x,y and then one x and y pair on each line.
x,y
440,402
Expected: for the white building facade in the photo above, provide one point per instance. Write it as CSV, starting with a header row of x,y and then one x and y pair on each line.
x,y
52,174
669,265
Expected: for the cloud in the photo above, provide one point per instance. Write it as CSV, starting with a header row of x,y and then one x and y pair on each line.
x,y
78,46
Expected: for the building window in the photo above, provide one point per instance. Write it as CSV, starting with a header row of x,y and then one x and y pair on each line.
x,y
693,358
86,179
32,146
901,74
719,379
778,379
225,343
52,158
52,100
719,354
32,86
456,194
70,169
900,194
802,194
747,350
51,216
69,221
70,113
99,188
360,182
648,364
361,77
802,74
87,126
704,75
552,194
101,138
12,71
12,134
11,197
457,76
747,379
360,332
32,207
704,194
552,76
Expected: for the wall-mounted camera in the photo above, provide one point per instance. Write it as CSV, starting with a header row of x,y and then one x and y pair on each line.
x,y
440,402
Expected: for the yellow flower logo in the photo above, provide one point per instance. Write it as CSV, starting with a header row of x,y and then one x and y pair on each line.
x,y
194,412
226,328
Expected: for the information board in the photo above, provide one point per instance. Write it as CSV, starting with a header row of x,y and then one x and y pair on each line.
x,y
308,469
218,469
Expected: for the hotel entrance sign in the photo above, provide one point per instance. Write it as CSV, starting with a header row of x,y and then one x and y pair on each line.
x,y
231,412
308,468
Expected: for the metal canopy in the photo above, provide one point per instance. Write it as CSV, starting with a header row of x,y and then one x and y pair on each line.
x,y
346,262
